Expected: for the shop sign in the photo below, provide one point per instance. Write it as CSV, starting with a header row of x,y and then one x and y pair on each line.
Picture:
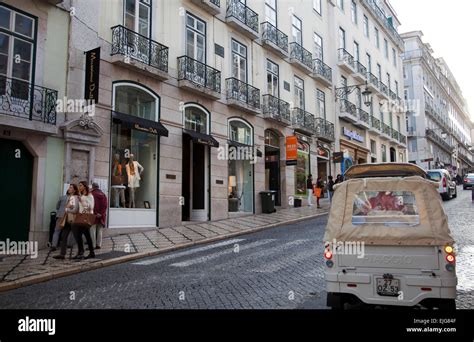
x,y
91,91
338,157
291,150
323,153
352,135
145,129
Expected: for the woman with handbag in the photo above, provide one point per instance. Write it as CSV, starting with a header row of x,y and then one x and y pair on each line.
x,y
72,207
83,221
318,190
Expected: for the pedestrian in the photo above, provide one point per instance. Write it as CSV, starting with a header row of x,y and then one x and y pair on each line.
x,y
309,189
330,188
71,208
60,212
100,211
86,206
319,190
339,179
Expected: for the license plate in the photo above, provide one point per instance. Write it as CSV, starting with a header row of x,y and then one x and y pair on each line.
x,y
388,287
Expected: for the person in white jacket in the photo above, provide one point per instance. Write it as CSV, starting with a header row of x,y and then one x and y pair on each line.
x,y
86,205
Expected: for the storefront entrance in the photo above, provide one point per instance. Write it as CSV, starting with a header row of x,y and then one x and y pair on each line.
x,y
15,201
272,164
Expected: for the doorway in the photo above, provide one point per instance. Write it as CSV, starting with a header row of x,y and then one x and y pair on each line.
x,y
15,202
393,155
272,164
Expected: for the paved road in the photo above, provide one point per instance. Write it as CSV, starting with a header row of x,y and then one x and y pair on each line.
x,y
277,268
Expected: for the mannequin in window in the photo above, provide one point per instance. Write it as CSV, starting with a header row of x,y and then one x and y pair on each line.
x,y
118,181
134,169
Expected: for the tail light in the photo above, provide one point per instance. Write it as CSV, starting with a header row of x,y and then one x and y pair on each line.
x,y
449,249
450,258
465,181
328,254
444,182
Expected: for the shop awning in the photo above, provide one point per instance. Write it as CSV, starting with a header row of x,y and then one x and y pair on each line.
x,y
140,124
201,138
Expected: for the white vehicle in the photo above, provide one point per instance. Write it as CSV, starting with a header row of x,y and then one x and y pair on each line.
x,y
387,241
446,185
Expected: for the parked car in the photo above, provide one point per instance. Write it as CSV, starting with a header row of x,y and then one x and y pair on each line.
x,y
447,186
468,181
387,241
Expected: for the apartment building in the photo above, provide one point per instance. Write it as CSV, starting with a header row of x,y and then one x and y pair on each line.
x,y
33,68
371,128
438,122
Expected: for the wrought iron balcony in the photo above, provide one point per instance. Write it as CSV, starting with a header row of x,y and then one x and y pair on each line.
x,y
303,121
301,57
386,131
322,72
431,135
361,71
395,135
275,109
274,39
372,82
242,18
348,111
242,95
383,90
137,51
23,100
392,95
212,6
364,119
346,60
402,139
196,76
324,130
375,124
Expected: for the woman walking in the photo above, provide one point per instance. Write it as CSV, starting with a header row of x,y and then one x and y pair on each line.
x,y
319,190
86,206
71,208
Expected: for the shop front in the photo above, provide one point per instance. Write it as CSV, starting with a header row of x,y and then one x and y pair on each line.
x,y
272,164
302,168
353,147
324,167
135,138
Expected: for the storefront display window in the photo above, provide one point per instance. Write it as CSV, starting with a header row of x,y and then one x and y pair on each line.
x,y
302,168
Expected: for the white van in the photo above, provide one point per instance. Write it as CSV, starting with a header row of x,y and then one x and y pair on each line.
x,y
446,185
387,241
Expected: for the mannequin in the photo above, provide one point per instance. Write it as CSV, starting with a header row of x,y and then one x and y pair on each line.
x,y
134,169
117,182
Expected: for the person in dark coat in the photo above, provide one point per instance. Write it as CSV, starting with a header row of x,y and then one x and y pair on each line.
x,y
100,211
330,187
309,189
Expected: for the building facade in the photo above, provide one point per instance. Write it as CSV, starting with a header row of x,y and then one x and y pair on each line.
x,y
438,122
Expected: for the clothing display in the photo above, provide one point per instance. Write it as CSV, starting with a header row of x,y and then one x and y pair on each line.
x,y
134,169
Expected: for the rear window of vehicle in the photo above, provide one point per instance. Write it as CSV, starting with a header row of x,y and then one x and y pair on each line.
x,y
434,176
389,208
470,178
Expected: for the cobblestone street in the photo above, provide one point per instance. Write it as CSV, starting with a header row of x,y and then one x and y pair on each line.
x,y
275,268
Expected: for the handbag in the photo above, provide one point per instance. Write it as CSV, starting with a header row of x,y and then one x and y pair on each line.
x,y
84,220
317,192
61,222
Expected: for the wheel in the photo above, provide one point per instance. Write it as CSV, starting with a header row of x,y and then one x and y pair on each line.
x,y
335,301
446,304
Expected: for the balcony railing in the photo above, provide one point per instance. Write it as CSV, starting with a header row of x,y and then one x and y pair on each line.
x,y
348,107
22,99
372,79
216,2
133,45
383,88
346,57
375,123
361,69
431,134
392,95
273,35
276,109
303,120
364,117
243,92
386,129
402,139
242,13
323,70
302,55
395,135
211,6
199,73
324,129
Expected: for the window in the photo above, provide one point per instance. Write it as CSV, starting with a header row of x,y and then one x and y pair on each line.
x,y
384,153
344,85
396,88
373,146
321,103
137,16
404,72
134,101
301,168
272,79
390,209
377,38
354,12
358,98
196,120
398,124
379,72
369,62
388,81
317,6
271,12
356,51
340,4
239,61
366,26
318,47
385,43
394,54
296,30
342,38
195,38
16,39
299,93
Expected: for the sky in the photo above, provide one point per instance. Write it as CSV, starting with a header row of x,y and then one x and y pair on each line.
x,y
448,27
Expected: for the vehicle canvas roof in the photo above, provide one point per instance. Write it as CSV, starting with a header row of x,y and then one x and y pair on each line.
x,y
432,229
384,170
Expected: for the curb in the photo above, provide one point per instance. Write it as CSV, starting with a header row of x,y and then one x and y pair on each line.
x,y
105,263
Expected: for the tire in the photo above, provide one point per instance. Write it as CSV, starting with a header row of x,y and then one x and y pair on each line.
x,y
335,301
446,304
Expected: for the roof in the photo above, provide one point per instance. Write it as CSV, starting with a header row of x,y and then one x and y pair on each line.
x,y
384,170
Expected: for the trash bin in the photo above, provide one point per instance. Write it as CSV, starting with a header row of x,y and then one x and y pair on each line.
x,y
268,201
52,225
297,202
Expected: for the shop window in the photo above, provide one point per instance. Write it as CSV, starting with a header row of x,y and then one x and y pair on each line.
x,y
134,152
196,119
302,168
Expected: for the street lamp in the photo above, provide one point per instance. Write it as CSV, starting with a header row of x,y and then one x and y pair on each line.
x,y
342,92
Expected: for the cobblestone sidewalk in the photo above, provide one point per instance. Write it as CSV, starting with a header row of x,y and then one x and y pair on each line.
x,y
17,271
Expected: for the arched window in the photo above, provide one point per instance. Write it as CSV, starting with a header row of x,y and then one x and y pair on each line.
x,y
272,138
196,118
136,100
240,131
